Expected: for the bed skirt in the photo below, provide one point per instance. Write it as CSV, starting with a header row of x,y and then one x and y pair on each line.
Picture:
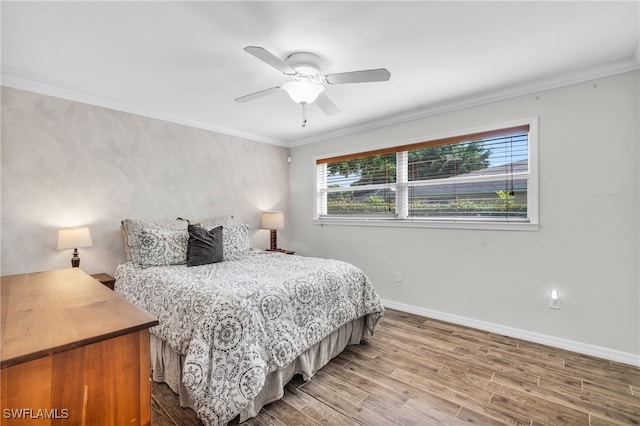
x,y
166,366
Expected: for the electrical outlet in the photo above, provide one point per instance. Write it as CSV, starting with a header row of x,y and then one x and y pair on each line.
x,y
398,277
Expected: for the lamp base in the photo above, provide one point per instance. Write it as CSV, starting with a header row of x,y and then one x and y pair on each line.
x,y
274,240
75,260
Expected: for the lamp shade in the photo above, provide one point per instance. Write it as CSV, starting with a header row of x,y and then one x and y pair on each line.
x,y
74,238
272,220
303,91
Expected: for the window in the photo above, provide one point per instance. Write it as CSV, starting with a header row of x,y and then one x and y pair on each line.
x,y
482,178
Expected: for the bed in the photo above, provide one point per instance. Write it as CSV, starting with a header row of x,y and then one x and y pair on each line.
x,y
233,332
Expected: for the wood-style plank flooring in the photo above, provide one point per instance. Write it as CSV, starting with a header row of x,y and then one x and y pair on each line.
x,y
420,371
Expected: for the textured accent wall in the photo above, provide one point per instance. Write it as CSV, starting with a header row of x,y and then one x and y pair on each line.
x,y
66,163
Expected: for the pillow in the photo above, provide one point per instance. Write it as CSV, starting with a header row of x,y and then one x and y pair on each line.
x,y
159,247
212,222
235,241
125,242
204,246
131,229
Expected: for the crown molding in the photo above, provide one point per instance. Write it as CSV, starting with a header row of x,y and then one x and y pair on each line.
x,y
632,63
20,83
574,77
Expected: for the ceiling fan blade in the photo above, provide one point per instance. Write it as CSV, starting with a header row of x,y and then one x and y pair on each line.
x,y
365,76
325,104
270,59
257,95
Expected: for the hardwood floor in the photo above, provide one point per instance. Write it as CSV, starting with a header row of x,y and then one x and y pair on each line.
x,y
420,371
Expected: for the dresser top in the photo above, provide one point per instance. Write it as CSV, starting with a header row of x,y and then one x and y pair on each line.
x,y
44,313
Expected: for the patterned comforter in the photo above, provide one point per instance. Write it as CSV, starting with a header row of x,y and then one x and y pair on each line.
x,y
237,321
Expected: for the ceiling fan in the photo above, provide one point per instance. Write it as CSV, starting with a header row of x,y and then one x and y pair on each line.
x,y
307,82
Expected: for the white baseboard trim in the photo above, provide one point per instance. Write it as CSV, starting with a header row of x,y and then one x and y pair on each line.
x,y
570,345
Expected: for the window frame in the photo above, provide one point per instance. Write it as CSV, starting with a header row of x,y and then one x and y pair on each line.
x,y
532,224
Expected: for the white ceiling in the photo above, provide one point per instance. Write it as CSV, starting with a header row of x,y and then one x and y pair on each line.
x,y
183,61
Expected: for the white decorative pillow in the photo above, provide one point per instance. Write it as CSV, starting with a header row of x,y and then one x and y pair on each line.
x,y
235,241
131,229
159,247
213,222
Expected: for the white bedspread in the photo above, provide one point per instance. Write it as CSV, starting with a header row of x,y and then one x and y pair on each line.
x,y
237,321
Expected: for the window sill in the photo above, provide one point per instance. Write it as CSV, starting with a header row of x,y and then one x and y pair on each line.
x,y
421,223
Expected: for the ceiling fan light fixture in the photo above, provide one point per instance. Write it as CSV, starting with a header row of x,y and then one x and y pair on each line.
x,y
303,91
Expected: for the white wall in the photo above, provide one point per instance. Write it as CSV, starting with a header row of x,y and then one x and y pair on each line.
x,y
587,245
69,164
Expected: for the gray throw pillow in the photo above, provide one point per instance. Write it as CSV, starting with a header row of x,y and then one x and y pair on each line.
x,y
204,246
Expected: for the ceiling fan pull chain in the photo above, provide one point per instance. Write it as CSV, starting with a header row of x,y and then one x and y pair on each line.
x,y
304,114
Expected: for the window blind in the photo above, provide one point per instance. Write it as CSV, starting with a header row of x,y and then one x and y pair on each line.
x,y
479,176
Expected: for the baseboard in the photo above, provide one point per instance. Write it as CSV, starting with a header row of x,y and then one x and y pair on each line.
x,y
570,345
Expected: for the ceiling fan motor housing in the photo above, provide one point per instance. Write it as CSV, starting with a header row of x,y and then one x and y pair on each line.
x,y
305,63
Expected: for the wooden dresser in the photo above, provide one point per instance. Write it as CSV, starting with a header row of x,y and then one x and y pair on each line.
x,y
73,352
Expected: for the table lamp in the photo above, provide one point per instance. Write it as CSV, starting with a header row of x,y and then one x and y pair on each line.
x,y
74,238
273,221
